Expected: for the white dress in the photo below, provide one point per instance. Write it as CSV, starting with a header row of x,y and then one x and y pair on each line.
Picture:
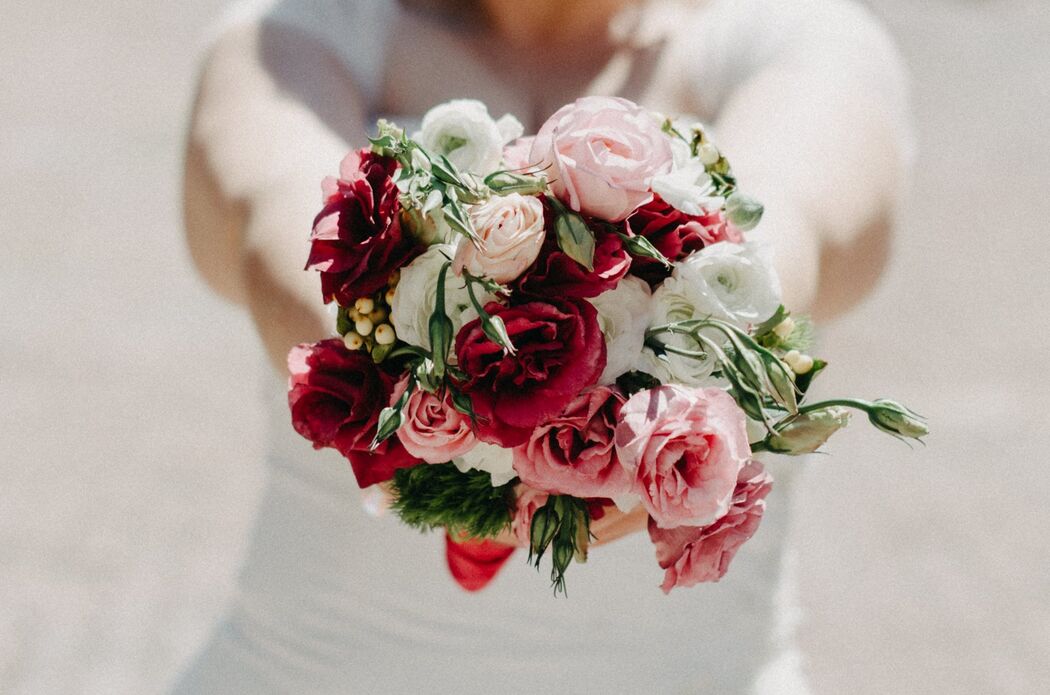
x,y
333,600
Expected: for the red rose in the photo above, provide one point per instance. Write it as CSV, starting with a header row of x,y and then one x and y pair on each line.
x,y
335,396
554,274
559,352
693,554
357,239
675,234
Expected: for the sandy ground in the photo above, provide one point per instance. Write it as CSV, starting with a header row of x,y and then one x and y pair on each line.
x,y
129,431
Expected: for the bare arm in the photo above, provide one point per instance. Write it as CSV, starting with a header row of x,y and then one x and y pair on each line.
x,y
255,157
819,135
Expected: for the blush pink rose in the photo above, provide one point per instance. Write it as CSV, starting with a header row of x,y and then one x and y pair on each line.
x,y
603,153
684,448
575,453
432,429
511,232
529,501
692,554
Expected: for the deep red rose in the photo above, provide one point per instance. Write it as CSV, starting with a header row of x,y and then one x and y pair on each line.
x,y
357,239
335,396
554,274
675,234
559,352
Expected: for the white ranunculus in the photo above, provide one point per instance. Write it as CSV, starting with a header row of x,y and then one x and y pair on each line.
x,y
672,302
463,131
416,296
734,282
494,460
623,314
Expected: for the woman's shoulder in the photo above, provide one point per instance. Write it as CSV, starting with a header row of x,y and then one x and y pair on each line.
x,y
353,31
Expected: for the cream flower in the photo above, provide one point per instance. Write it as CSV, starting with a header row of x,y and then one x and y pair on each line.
x,y
463,131
624,314
511,231
734,282
494,460
416,296
673,301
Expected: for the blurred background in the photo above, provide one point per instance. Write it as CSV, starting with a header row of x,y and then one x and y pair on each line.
x,y
130,431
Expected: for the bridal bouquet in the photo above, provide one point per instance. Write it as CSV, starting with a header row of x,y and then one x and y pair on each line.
x,y
534,330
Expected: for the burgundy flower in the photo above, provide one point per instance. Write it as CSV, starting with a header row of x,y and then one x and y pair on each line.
x,y
357,238
335,396
559,352
554,274
693,554
675,234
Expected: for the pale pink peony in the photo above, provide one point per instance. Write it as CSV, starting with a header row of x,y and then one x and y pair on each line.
x,y
433,430
511,231
684,448
692,554
516,155
603,153
574,453
529,501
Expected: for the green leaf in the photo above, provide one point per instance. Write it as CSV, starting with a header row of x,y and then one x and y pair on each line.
x,y
390,418
432,496
575,239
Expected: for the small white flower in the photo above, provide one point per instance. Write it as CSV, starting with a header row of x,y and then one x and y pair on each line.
x,y
733,282
688,188
414,300
494,460
624,315
463,131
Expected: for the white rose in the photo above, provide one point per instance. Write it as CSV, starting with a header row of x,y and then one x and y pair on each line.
x,y
733,282
623,315
510,228
416,296
672,302
463,131
494,460
688,188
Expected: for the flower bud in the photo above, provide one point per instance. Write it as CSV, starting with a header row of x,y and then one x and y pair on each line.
x,y
364,306
894,418
389,296
785,328
363,325
743,211
385,334
807,433
799,363
378,315
709,154
353,341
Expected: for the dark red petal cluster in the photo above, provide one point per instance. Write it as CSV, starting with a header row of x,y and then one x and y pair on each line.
x,y
554,274
357,238
675,234
559,352
335,396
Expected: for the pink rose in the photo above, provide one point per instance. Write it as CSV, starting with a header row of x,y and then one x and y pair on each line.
x,y
516,154
603,153
684,448
692,554
511,231
432,429
574,453
529,501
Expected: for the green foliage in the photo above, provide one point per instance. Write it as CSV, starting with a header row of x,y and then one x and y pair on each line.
x,y
430,496
563,525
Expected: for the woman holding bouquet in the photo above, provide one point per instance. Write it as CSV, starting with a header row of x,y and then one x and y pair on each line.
x,y
807,99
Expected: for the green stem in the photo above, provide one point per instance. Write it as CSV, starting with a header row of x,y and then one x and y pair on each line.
x,y
866,406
